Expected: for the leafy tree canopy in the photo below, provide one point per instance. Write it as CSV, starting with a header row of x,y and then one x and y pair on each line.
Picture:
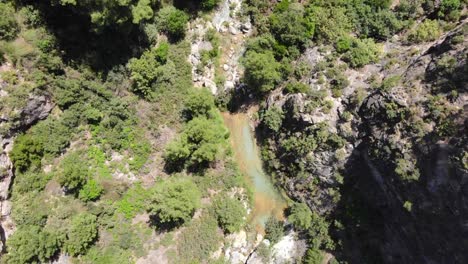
x,y
300,216
82,234
32,244
261,71
230,213
175,200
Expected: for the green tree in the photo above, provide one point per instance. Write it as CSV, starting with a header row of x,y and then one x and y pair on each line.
x,y
8,26
318,233
261,71
313,256
290,26
31,244
175,200
142,11
73,171
202,142
209,4
147,70
273,118
27,152
301,216
274,229
82,233
200,103
172,21
449,8
426,31
230,213
362,52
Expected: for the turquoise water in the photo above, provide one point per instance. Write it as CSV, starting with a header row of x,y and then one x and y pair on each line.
x,y
268,200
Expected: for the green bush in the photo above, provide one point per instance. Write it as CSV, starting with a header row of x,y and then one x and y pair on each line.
x,y
199,240
330,23
32,244
301,216
133,201
147,70
90,191
230,213
202,142
343,44
9,28
174,201
27,152
29,209
261,71
406,170
30,181
274,229
318,233
449,9
362,52
81,235
426,31
209,4
313,256
172,21
290,27
73,172
199,103
273,118
296,87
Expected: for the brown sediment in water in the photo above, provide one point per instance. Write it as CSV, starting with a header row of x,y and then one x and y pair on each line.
x,y
268,200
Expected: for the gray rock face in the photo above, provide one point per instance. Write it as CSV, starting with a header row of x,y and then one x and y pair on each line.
x,y
421,221
37,108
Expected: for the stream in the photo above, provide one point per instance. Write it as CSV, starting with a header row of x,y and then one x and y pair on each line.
x,y
268,200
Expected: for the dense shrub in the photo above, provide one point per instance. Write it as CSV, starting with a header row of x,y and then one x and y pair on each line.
x,y
261,71
290,26
426,31
199,240
202,142
230,213
30,181
362,52
149,69
318,233
73,172
406,169
296,87
27,152
8,26
274,229
200,103
90,191
174,201
172,21
313,256
209,4
330,23
32,244
82,233
273,118
300,216
449,9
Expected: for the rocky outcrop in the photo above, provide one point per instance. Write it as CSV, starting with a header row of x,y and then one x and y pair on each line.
x,y
404,195
36,108
227,22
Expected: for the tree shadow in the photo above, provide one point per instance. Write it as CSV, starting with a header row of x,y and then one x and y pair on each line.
x,y
162,227
80,43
